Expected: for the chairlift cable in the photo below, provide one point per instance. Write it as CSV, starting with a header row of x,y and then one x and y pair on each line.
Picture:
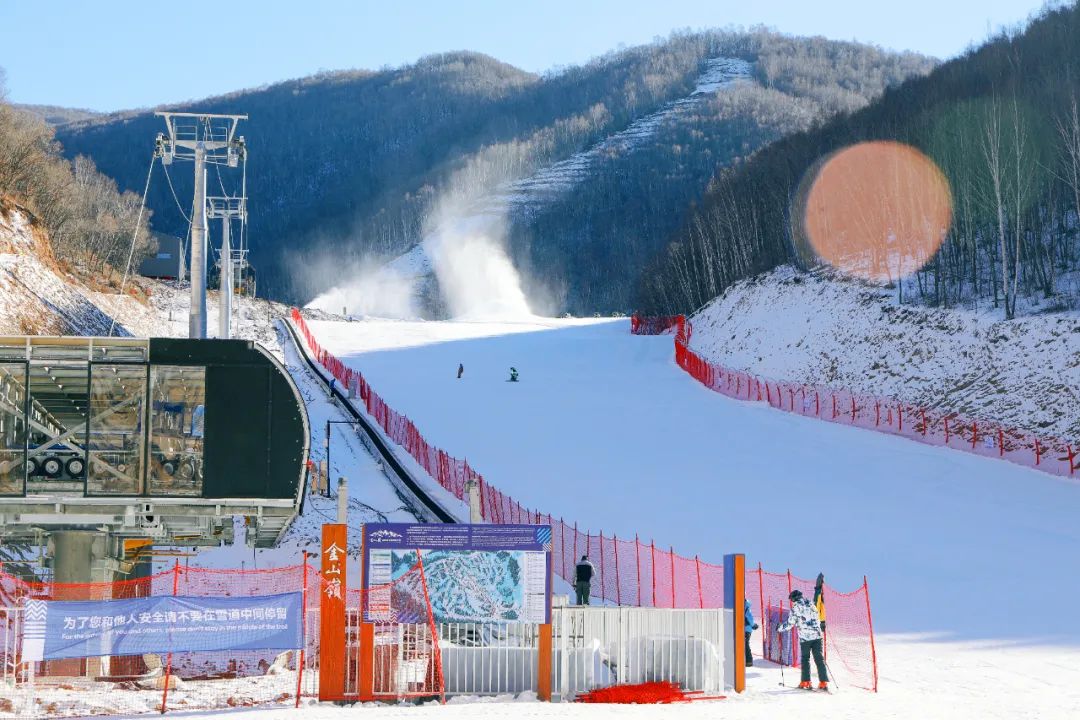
x,y
175,198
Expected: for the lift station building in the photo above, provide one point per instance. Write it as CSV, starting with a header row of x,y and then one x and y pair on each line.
x,y
112,443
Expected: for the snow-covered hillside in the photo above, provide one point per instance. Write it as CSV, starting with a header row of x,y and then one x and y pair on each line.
x,y
965,555
813,329
39,297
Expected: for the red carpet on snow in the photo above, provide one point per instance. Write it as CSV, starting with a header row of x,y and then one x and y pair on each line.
x,y
650,693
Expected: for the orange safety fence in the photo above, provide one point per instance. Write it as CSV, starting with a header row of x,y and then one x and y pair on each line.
x,y
628,571
886,415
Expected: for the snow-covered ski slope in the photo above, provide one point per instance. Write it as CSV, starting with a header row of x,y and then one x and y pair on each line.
x,y
972,561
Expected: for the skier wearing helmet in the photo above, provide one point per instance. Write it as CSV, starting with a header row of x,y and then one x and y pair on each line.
x,y
804,616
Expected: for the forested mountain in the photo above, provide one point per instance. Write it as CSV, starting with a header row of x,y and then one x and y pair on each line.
x,y
1002,124
351,163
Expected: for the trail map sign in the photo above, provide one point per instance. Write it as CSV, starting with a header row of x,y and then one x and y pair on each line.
x,y
474,573
136,626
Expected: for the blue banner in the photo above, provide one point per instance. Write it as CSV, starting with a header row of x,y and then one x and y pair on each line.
x,y
136,626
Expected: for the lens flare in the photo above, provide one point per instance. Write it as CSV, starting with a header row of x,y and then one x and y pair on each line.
x,y
877,210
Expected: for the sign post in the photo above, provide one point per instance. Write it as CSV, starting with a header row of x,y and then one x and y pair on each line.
x,y
335,543
735,598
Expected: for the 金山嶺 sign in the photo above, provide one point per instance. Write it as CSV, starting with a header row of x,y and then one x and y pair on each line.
x,y
57,629
473,573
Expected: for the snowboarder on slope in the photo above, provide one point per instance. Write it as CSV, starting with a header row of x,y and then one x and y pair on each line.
x,y
513,374
583,575
804,616
460,370
751,626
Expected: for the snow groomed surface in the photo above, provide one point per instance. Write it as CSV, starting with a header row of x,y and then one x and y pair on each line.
x,y
603,426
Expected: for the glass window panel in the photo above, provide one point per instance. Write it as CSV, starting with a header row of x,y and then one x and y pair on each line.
x,y
59,402
12,428
117,410
177,422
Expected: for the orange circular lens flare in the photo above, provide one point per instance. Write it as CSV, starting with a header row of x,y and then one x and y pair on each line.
x,y
878,210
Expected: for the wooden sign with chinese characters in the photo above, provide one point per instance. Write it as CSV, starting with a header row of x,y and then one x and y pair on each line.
x,y
335,543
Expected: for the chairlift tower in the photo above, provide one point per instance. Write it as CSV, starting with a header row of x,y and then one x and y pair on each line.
x,y
230,262
205,139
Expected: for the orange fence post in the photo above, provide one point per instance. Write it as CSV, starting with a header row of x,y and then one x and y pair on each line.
x,y
637,560
700,597
761,606
618,586
671,552
543,664
603,592
652,556
168,663
365,661
870,623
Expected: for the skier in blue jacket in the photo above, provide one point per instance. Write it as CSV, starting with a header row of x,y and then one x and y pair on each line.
x,y
750,626
804,616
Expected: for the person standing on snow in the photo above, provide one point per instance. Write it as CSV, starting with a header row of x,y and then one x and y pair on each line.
x,y
460,370
513,374
583,575
750,626
804,616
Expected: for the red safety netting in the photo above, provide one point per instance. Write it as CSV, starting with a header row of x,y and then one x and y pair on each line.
x,y
887,415
155,682
657,325
629,572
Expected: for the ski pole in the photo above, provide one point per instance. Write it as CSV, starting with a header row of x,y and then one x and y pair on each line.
x,y
779,641
832,675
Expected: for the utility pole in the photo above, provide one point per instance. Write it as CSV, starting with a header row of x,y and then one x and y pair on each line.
x,y
206,139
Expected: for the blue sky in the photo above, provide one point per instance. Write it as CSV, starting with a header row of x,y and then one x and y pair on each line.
x,y
116,54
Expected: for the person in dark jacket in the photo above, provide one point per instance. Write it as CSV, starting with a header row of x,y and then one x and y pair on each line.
x,y
583,576
460,370
750,626
805,617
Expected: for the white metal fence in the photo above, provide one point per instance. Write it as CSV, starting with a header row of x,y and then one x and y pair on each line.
x,y
591,647
482,659
599,646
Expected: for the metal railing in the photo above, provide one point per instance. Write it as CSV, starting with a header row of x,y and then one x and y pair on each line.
x,y
591,647
488,659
